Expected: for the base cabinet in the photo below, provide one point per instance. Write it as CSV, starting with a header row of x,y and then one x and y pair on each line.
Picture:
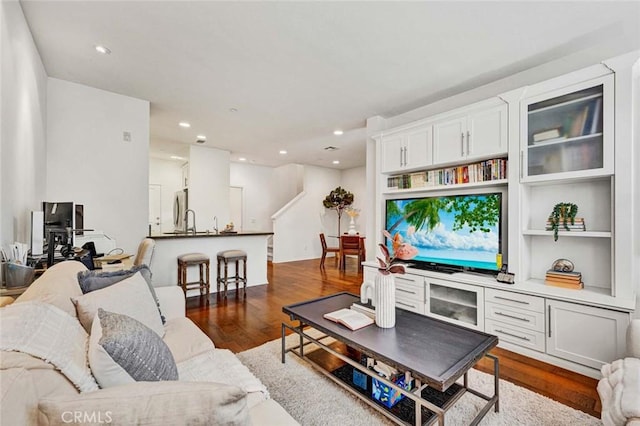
x,y
584,334
458,303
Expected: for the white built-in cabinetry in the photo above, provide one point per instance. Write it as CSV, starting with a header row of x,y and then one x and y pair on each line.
x,y
568,139
408,150
480,133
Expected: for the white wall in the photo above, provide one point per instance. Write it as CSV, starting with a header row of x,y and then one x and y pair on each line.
x,y
89,163
167,174
257,186
209,186
288,181
23,125
296,231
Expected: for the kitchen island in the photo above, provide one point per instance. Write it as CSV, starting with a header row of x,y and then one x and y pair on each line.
x,y
164,263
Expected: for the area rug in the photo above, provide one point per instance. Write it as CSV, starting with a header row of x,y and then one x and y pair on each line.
x,y
313,399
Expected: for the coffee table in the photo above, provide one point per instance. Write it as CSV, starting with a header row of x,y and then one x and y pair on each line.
x,y
436,353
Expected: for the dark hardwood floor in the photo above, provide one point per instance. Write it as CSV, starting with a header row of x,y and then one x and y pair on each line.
x,y
239,324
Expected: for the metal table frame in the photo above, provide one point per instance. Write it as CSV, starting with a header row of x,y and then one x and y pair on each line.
x,y
414,394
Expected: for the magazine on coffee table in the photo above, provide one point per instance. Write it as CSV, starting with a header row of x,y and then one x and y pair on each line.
x,y
349,318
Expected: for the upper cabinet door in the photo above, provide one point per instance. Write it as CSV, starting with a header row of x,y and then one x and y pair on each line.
x,y
449,140
487,132
568,133
392,153
407,150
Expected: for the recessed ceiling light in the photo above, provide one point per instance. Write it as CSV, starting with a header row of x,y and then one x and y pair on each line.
x,y
338,132
242,159
175,157
201,137
184,124
336,162
103,50
233,109
283,151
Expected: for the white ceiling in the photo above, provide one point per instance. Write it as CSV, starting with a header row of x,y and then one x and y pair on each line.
x,y
296,71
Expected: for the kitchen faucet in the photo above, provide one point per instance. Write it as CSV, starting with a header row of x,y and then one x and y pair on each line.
x,y
215,224
186,221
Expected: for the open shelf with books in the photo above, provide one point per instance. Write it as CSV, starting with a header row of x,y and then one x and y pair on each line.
x,y
492,171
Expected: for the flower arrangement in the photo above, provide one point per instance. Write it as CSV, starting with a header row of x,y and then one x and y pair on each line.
x,y
401,250
351,212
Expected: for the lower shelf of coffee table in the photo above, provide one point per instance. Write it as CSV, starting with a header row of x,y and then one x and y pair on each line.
x,y
405,408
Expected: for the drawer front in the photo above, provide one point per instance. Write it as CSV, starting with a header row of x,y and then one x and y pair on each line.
x,y
409,304
518,336
516,300
514,316
410,289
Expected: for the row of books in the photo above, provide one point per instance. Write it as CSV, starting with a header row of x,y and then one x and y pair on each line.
x,y
585,122
572,280
577,225
488,170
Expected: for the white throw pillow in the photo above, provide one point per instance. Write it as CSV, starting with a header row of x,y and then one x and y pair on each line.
x,y
129,297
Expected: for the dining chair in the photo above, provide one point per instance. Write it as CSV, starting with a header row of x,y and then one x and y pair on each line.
x,y
326,249
351,245
145,252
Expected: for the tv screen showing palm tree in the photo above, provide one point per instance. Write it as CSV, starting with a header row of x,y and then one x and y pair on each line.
x,y
450,233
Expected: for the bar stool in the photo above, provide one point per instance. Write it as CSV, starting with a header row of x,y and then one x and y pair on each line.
x,y
236,256
193,259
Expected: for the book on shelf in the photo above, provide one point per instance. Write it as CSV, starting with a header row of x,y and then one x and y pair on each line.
x,y
563,274
574,286
563,280
546,135
558,139
418,180
578,123
350,318
597,111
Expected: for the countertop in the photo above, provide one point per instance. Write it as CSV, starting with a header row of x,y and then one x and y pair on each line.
x,y
204,234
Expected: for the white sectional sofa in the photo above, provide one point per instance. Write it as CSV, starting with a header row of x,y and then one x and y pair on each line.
x,y
213,386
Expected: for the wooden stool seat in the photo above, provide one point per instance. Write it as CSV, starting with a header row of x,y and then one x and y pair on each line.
x,y
193,259
226,256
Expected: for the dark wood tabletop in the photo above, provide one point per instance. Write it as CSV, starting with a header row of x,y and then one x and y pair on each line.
x,y
436,352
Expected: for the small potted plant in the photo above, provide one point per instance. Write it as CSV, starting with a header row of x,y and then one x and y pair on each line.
x,y
562,214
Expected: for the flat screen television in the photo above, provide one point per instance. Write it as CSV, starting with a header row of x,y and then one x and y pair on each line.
x,y
451,233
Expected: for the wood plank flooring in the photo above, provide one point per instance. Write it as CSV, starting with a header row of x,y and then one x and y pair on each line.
x,y
239,324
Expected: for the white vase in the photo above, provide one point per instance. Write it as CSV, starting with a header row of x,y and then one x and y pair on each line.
x,y
385,300
352,227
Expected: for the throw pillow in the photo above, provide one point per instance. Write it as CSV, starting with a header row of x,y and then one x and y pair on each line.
x,y
123,350
130,297
95,280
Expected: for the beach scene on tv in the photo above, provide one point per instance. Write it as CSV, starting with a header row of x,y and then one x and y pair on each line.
x,y
461,231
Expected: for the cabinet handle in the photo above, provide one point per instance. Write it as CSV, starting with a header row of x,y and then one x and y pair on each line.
x,y
549,322
401,150
512,316
405,304
462,144
513,335
468,141
404,279
405,291
405,156
511,300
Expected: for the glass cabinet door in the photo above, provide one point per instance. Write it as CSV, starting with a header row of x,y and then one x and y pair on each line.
x,y
567,133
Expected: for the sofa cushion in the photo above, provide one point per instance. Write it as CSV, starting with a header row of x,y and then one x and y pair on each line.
x,y
56,286
130,297
123,350
18,398
157,403
47,332
185,339
95,280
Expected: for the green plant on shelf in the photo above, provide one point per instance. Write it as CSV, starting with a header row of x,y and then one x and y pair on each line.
x,y
562,214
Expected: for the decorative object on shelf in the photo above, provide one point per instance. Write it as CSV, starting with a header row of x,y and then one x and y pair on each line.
x,y
338,200
562,213
383,290
353,214
562,265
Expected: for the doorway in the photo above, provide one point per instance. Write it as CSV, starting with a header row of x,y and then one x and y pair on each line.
x,y
155,209
236,206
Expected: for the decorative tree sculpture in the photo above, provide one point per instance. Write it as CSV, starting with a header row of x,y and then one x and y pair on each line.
x,y
338,200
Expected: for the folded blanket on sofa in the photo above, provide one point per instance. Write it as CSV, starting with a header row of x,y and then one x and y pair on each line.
x,y
49,333
228,370
619,391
